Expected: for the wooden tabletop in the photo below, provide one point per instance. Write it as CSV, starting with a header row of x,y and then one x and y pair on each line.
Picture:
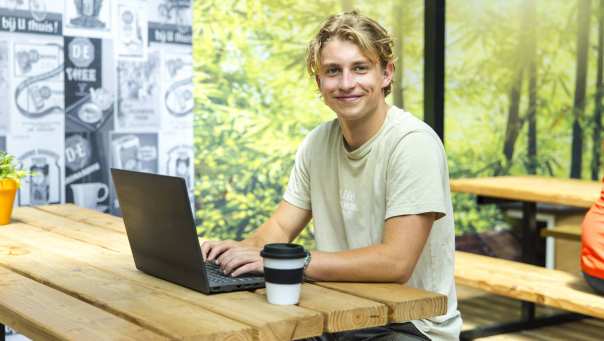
x,y
570,192
67,273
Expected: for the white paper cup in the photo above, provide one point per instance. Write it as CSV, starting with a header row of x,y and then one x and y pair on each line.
x,y
283,272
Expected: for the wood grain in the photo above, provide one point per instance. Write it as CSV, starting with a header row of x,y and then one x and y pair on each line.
x,y
404,303
151,309
527,282
341,311
570,192
270,322
53,315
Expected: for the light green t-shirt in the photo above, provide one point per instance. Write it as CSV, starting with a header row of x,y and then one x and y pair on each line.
x,y
401,170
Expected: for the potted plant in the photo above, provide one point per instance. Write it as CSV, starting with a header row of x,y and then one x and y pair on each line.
x,y
10,177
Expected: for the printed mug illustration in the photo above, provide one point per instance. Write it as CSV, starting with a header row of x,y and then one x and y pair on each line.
x,y
178,98
90,195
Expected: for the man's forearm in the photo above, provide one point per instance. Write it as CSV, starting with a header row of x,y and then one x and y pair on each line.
x,y
376,263
269,232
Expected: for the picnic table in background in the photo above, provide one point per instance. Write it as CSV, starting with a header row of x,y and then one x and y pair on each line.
x,y
527,190
68,273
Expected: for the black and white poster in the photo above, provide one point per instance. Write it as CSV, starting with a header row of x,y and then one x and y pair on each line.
x,y
44,162
88,77
177,91
42,17
138,94
37,86
170,21
4,86
133,151
86,170
89,18
131,36
86,85
177,155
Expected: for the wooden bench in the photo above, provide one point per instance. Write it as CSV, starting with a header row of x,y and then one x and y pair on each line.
x,y
554,288
568,232
530,283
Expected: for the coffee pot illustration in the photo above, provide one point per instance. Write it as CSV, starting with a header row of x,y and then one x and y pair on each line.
x,y
39,187
88,11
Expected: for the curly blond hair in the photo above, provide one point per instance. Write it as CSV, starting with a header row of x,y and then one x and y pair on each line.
x,y
371,38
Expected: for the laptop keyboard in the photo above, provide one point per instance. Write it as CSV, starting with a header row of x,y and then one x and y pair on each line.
x,y
216,276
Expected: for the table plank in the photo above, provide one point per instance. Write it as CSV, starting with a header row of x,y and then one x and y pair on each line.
x,y
342,311
570,192
151,309
40,312
271,322
404,303
85,215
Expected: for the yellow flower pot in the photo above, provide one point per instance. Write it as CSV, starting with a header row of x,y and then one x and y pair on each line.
x,y
8,189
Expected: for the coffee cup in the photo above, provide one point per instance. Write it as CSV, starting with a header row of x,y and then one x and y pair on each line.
x,y
283,272
89,195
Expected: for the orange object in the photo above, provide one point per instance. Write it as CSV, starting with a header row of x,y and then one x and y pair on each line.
x,y
8,189
592,239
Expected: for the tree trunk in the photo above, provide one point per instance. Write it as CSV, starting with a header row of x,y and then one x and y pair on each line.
x,y
583,21
514,121
531,13
397,82
597,132
347,5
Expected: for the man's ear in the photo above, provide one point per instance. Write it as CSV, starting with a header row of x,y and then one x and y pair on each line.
x,y
388,74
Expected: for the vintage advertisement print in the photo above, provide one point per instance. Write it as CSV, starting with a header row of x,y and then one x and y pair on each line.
x,y
89,18
138,92
31,16
170,21
138,152
85,170
44,184
176,155
131,36
88,85
4,87
177,91
37,87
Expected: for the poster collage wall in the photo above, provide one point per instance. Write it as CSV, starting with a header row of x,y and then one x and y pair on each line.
x,y
87,85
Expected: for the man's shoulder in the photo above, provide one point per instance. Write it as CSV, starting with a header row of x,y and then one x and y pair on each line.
x,y
322,133
402,123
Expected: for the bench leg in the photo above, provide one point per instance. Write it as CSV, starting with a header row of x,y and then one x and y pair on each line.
x,y
517,326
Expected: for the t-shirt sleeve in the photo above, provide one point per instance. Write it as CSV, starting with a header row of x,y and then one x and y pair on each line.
x,y
298,187
417,177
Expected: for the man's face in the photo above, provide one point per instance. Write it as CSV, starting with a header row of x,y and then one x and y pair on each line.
x,y
350,83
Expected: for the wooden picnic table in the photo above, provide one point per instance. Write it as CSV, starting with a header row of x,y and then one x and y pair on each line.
x,y
67,273
530,190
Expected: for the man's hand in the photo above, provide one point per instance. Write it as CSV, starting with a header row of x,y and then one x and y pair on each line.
x,y
234,258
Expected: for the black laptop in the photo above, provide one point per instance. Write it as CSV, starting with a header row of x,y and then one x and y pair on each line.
x,y
161,231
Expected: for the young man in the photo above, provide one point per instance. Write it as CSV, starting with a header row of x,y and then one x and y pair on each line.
x,y
375,181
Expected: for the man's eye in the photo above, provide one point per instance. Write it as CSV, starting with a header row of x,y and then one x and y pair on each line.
x,y
332,71
360,69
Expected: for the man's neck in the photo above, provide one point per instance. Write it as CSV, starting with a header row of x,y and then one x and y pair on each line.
x,y
357,132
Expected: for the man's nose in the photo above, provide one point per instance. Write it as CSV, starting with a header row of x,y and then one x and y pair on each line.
x,y
347,81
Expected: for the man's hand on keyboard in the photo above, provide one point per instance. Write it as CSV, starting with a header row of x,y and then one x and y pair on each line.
x,y
234,258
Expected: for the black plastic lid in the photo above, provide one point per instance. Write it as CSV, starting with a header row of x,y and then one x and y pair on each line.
x,y
283,251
